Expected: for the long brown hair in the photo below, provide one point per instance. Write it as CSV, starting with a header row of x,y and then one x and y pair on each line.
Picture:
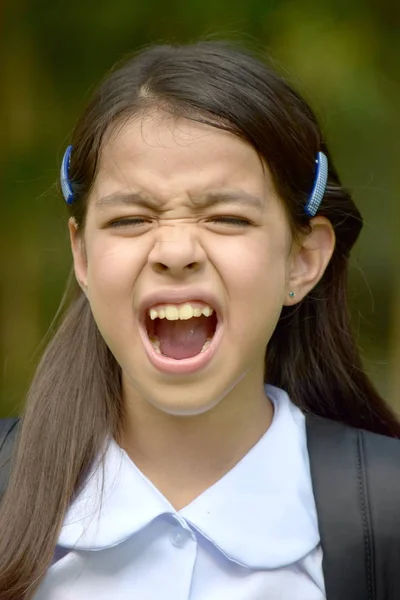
x,y
75,398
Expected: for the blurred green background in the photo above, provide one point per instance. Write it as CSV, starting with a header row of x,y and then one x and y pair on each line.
x,y
344,57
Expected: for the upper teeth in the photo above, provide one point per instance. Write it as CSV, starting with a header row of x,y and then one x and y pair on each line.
x,y
184,312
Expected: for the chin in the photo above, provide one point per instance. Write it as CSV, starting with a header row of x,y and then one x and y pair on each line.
x,y
187,397
184,409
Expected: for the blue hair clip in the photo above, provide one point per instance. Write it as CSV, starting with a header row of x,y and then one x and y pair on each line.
x,y
321,177
64,177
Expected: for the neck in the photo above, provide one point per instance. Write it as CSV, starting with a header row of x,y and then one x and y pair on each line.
x,y
183,456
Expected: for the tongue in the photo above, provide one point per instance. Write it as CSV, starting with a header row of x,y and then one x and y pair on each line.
x,y
183,339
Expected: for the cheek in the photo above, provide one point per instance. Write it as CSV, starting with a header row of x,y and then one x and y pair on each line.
x,y
254,266
113,267
254,274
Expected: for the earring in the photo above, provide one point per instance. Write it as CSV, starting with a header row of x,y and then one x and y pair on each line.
x,y
291,294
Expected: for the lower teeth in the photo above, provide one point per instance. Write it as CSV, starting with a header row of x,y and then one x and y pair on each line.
x,y
206,345
156,345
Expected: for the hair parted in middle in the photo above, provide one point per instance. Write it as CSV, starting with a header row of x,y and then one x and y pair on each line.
x,y
312,354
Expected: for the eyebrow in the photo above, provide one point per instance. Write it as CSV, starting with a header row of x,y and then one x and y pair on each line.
x,y
203,201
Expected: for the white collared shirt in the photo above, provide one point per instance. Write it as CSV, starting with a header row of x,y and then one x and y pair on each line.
x,y
253,535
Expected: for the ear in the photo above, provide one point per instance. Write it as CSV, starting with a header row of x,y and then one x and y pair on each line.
x,y
309,258
78,254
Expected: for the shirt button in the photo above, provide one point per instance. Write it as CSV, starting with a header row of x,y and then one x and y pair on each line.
x,y
179,537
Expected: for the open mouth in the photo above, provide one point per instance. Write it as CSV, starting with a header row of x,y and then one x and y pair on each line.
x,y
181,331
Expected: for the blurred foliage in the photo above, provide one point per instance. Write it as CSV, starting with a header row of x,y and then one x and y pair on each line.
x,y
344,57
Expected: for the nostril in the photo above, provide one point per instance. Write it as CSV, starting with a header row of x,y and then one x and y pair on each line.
x,y
192,266
160,267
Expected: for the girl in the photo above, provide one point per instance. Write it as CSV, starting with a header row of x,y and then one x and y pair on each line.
x,y
163,450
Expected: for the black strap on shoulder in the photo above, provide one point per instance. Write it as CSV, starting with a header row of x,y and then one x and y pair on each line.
x,y
8,431
340,494
337,470
356,481
382,467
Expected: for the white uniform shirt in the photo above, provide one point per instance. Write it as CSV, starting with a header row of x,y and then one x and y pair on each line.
x,y
253,535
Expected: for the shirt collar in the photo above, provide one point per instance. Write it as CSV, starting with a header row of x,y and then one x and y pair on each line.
x,y
261,514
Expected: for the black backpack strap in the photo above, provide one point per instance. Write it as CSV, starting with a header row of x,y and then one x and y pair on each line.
x,y
8,431
382,466
356,481
337,465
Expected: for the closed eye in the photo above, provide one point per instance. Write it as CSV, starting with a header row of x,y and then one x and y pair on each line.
x,y
140,221
231,221
135,221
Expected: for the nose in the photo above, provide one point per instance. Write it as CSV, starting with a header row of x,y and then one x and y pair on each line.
x,y
176,251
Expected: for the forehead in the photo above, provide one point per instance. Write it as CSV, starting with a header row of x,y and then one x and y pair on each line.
x,y
164,155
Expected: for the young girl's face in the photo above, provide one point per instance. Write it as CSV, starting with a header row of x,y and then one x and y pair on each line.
x,y
184,213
